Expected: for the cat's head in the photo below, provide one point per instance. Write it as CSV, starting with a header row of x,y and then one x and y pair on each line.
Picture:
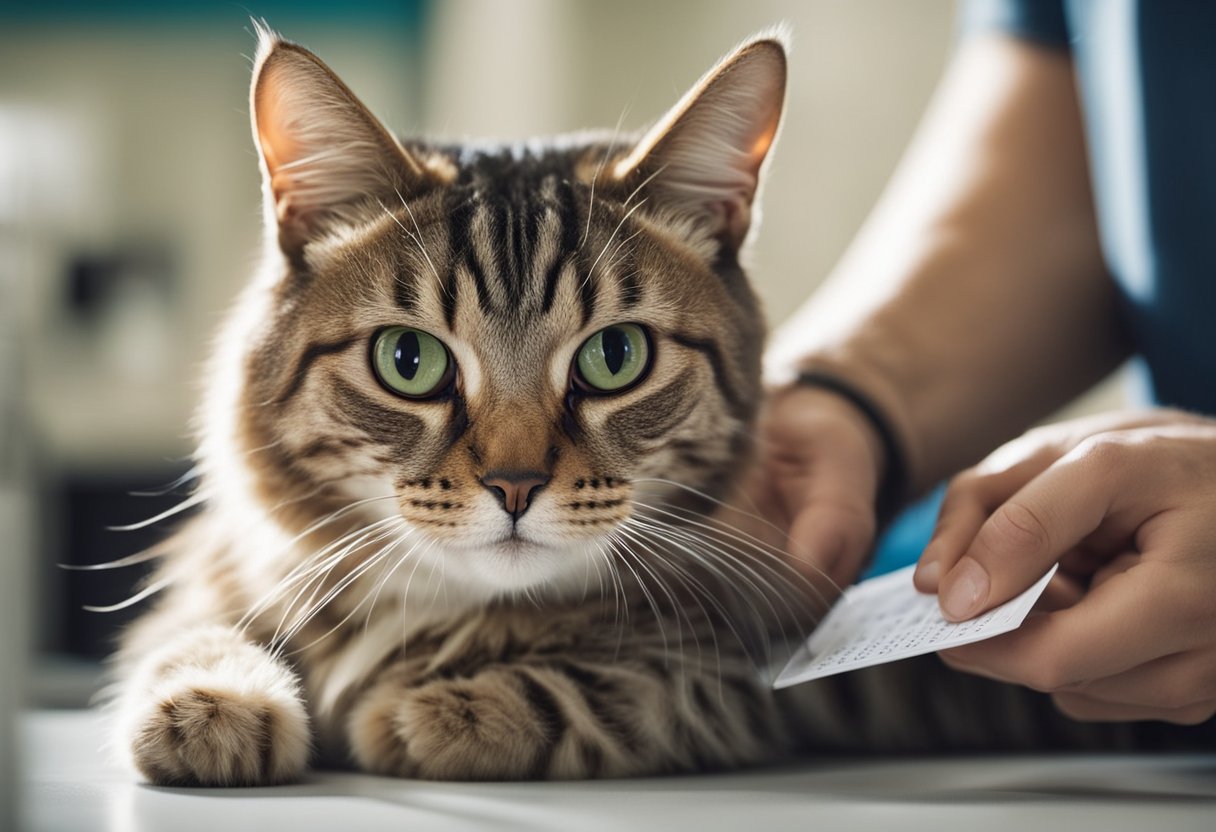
x,y
507,348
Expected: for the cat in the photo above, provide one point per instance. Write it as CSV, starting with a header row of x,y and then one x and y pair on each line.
x,y
457,456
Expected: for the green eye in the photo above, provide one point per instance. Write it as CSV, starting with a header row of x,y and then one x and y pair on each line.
x,y
411,362
613,358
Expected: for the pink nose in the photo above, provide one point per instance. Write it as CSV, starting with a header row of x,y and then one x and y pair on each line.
x,y
514,488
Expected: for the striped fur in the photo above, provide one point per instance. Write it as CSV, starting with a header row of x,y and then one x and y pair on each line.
x,y
352,593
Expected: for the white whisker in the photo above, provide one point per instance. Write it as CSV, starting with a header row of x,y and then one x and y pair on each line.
x,y
363,568
700,590
146,592
190,502
384,580
643,184
312,570
755,548
372,535
314,605
658,615
598,170
421,244
726,567
611,237
680,613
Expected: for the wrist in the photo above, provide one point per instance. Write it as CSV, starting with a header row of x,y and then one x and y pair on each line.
x,y
804,399
893,478
822,387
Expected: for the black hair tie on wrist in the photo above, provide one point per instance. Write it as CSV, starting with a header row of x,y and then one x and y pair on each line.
x,y
894,482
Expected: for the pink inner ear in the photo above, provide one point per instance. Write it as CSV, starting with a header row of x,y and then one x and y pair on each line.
x,y
323,151
705,156
278,147
280,151
327,157
764,141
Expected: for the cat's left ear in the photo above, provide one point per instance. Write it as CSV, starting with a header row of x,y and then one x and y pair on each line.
x,y
704,158
325,157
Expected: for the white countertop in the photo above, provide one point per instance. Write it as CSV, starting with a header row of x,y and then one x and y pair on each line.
x,y
70,787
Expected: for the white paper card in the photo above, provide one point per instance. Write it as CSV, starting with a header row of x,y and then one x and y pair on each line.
x,y
885,619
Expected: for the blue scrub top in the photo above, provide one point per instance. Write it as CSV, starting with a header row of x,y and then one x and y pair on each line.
x,y
1146,72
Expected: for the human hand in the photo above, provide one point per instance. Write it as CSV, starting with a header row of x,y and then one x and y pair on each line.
x,y
1127,505
816,474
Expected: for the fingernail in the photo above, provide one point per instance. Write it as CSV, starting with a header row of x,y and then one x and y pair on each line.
x,y
968,592
928,574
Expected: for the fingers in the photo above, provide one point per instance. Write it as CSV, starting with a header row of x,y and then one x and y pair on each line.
x,y
824,467
1182,680
1062,592
961,515
1130,634
1128,621
1031,530
1081,707
754,511
971,498
832,538
1176,689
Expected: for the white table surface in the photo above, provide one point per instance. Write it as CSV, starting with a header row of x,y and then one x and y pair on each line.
x,y
69,786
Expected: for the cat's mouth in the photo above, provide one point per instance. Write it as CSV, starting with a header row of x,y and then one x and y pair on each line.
x,y
514,542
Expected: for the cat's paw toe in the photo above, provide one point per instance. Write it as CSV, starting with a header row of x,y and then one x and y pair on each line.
x,y
489,727
212,737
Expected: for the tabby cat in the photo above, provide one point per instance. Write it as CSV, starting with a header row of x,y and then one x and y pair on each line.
x,y
457,453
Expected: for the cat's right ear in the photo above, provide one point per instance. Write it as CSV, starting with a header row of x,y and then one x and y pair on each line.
x,y
325,158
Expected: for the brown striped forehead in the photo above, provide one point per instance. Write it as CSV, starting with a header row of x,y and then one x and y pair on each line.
x,y
513,264
518,222
516,236
494,248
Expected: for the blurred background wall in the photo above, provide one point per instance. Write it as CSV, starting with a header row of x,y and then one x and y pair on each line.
x,y
129,210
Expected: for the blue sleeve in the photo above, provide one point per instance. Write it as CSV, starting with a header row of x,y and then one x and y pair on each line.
x,y
1041,21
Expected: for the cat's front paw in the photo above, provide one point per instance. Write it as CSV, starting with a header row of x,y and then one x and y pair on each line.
x,y
497,725
202,736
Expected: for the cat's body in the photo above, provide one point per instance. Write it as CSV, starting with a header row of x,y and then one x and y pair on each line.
x,y
456,453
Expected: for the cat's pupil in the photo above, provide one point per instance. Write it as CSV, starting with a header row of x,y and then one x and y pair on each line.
x,y
616,349
408,355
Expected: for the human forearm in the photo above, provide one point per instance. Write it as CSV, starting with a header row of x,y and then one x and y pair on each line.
x,y
975,299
